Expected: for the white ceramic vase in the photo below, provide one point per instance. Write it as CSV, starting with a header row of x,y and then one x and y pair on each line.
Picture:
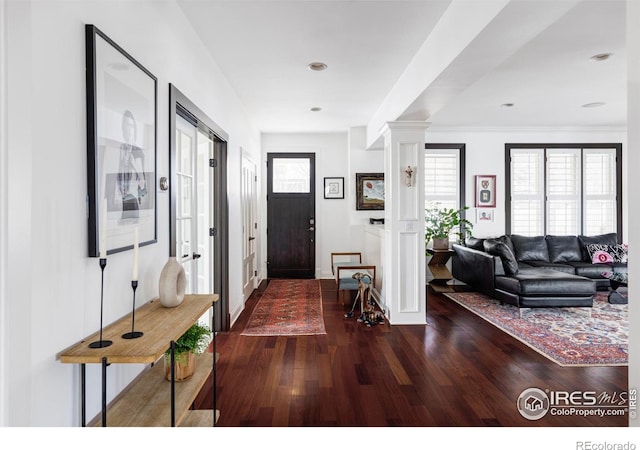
x,y
172,283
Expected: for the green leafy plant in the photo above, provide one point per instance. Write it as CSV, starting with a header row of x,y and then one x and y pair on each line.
x,y
196,340
440,222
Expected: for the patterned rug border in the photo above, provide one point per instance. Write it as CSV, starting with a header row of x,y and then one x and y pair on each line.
x,y
528,344
320,331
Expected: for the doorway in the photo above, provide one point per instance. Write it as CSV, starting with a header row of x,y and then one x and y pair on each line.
x,y
249,226
291,221
198,215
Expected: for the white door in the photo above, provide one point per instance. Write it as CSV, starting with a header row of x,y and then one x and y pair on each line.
x,y
194,211
249,226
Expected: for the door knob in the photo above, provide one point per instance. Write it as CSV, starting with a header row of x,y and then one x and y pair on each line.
x,y
251,238
196,255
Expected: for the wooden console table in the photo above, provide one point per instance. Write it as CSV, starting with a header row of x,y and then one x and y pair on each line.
x,y
439,270
150,400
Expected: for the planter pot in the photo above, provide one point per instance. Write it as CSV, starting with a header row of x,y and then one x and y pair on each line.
x,y
441,243
185,366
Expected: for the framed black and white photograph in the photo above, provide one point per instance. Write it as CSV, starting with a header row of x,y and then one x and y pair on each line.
x,y
121,147
369,191
334,187
485,191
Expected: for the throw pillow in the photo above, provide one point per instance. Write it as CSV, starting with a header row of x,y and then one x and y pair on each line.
x,y
604,253
498,248
607,239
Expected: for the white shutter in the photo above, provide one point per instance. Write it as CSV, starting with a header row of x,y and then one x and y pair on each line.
x,y
563,191
599,191
442,178
527,191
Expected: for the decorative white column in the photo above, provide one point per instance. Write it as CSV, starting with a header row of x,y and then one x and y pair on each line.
x,y
404,274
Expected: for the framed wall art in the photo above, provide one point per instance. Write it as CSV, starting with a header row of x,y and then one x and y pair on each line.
x,y
121,147
334,187
485,191
369,191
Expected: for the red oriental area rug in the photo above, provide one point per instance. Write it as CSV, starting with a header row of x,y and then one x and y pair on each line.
x,y
567,336
286,308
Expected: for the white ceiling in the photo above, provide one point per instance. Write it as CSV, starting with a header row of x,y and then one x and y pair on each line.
x,y
264,47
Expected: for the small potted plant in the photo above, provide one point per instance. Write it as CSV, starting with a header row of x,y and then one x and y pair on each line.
x,y
440,222
193,342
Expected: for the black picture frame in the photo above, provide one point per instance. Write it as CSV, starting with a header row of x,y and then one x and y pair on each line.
x,y
334,187
369,191
122,113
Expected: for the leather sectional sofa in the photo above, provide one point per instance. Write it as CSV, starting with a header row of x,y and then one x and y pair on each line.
x,y
540,271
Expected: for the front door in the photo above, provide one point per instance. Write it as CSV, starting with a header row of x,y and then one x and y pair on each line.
x,y
291,220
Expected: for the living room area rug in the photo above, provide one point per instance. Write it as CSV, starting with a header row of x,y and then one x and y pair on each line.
x,y
287,308
566,336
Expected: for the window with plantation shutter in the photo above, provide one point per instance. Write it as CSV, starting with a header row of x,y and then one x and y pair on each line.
x,y
444,177
564,189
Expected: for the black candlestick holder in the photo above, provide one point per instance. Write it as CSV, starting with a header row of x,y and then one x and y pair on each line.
x,y
133,334
101,343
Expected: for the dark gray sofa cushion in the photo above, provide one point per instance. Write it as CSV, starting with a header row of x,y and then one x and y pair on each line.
x,y
544,282
563,249
608,239
566,267
475,243
497,247
530,248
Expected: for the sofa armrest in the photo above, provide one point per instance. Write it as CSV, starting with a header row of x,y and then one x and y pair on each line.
x,y
476,268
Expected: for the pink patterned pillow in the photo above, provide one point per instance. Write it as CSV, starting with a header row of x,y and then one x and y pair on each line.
x,y
601,257
603,254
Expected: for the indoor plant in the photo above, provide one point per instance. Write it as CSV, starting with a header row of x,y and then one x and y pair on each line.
x,y
440,222
193,342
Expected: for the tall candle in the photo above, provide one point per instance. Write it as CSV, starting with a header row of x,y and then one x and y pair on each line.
x,y
134,276
103,230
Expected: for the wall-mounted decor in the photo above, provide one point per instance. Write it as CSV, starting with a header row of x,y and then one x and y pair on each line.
x,y
334,187
369,191
121,147
484,215
485,191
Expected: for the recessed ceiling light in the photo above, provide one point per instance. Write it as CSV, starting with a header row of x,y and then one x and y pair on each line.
x,y
315,109
601,57
508,105
593,105
317,66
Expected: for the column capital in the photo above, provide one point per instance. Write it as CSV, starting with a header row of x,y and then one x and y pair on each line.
x,y
404,125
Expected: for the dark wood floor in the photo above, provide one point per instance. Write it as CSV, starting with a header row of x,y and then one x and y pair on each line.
x,y
458,370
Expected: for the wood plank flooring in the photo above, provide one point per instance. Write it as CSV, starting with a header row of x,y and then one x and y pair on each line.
x,y
458,370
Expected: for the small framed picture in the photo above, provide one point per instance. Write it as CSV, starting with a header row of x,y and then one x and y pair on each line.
x,y
333,187
485,191
484,215
369,191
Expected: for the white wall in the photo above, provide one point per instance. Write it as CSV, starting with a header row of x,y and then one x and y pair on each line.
x,y
485,156
53,288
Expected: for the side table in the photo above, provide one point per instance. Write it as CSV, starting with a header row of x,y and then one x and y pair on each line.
x,y
437,266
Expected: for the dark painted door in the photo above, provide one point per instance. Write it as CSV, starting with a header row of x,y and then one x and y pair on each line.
x,y
291,224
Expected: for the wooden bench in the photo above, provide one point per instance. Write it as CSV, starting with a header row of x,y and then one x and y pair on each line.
x,y
343,271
